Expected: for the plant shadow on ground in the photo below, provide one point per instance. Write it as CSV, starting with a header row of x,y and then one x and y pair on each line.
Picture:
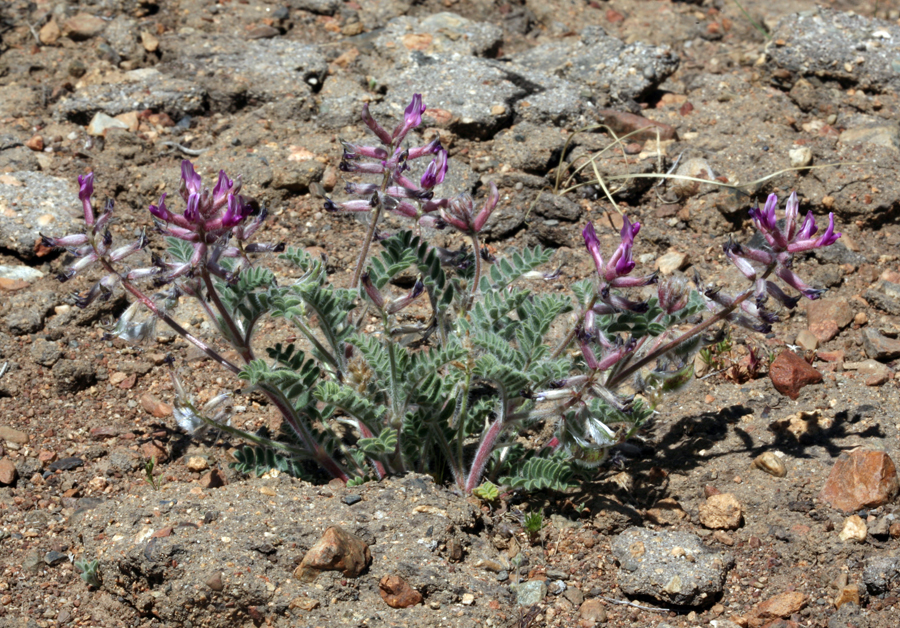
x,y
614,493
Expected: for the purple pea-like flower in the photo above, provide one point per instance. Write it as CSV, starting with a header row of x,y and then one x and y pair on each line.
x,y
160,210
376,128
85,191
614,273
436,170
412,117
620,263
191,182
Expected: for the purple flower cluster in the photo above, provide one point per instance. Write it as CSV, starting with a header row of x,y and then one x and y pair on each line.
x,y
757,264
209,220
612,274
397,192
784,242
792,237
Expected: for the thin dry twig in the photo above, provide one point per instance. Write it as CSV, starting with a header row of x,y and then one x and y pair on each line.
x,y
193,152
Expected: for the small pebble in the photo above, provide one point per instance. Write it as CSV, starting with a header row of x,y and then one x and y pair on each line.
x,y
351,499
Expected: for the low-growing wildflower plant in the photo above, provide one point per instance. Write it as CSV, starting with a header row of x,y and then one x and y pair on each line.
x,y
449,393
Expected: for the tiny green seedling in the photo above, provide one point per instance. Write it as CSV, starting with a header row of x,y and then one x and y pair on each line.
x,y
533,524
148,470
88,571
488,492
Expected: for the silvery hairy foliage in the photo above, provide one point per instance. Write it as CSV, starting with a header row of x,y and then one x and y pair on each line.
x,y
465,357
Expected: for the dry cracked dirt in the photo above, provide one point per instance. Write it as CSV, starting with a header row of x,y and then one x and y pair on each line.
x,y
720,513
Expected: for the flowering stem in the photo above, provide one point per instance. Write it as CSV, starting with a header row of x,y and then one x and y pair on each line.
x,y
459,420
571,335
238,338
174,325
476,249
660,351
486,446
370,234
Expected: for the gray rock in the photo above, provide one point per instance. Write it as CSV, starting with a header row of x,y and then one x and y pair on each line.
x,y
236,73
66,464
146,88
437,34
32,203
322,7
340,102
74,375
880,347
848,614
54,558
889,288
558,102
881,574
33,562
122,35
554,206
839,46
18,158
672,567
17,100
530,148
28,311
606,66
20,273
45,352
882,302
504,222
837,253
477,112
884,134
529,593
123,461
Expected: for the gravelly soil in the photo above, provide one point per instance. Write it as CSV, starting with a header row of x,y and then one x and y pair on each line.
x,y
738,104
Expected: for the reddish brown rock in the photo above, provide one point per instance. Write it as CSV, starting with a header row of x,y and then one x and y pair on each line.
x,y
780,606
721,512
104,432
894,530
396,593
337,550
861,479
154,450
827,317
789,373
154,406
35,143
213,479
624,123
7,471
